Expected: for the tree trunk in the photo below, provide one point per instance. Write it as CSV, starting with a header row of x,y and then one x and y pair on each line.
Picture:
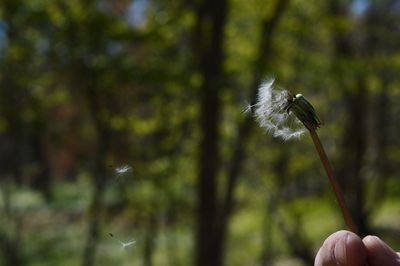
x,y
354,142
210,30
353,149
100,168
269,24
150,239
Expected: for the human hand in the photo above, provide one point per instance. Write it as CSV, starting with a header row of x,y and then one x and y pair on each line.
x,y
347,249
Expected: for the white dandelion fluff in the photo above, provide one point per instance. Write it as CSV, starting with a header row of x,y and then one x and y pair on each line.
x,y
121,170
127,244
271,112
123,244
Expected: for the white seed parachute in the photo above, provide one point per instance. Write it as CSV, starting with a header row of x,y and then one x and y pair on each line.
x,y
271,113
121,170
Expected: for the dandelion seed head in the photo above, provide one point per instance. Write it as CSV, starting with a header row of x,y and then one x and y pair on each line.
x,y
271,113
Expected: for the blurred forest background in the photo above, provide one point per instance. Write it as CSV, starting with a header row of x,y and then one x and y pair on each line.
x,y
87,86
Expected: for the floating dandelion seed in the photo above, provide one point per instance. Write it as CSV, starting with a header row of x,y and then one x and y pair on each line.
x,y
121,170
123,244
272,113
127,244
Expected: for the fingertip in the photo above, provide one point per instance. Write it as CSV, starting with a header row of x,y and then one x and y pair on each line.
x,y
341,248
356,253
379,253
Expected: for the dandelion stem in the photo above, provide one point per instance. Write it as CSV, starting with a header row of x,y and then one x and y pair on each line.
x,y
335,185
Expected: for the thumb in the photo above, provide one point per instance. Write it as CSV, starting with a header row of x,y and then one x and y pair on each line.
x,y
379,253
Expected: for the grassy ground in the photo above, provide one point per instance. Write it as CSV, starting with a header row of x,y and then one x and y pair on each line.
x,y
56,232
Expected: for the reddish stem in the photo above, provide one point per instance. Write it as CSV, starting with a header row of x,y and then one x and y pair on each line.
x,y
335,185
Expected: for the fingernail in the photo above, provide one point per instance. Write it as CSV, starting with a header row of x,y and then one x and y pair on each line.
x,y
339,251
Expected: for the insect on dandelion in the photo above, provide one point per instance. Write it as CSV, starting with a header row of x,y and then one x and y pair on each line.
x,y
281,113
